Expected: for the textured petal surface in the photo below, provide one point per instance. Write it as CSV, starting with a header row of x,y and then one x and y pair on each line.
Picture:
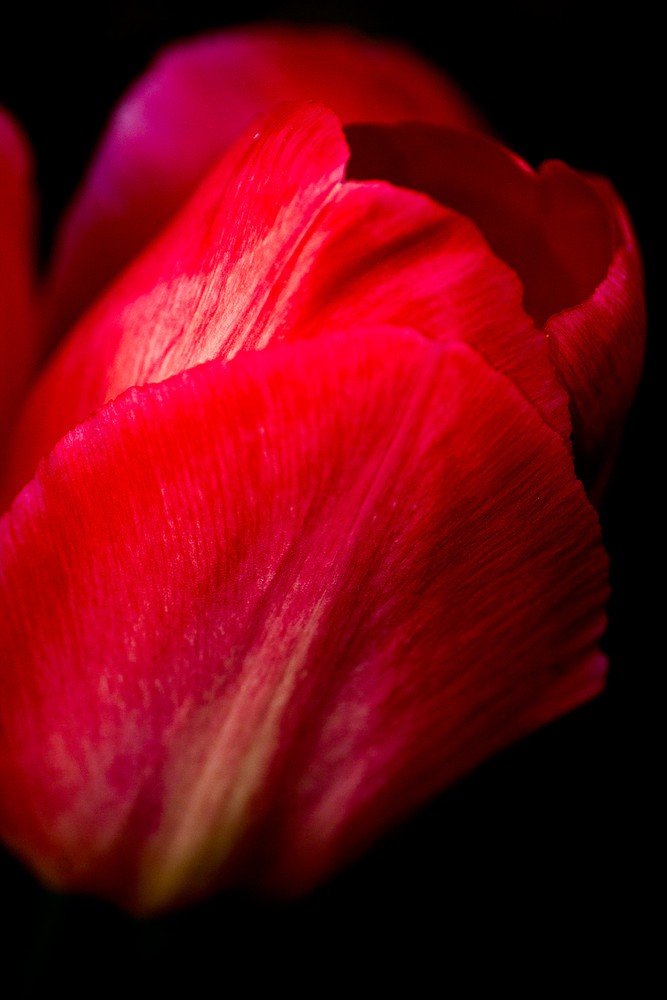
x,y
276,245
257,612
569,238
193,102
18,349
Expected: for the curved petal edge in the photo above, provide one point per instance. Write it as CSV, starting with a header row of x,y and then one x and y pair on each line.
x,y
256,614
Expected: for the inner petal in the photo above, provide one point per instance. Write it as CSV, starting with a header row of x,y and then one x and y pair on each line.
x,y
550,226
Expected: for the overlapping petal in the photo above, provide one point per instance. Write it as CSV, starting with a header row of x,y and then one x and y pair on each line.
x,y
569,238
282,600
276,245
193,102
599,347
294,535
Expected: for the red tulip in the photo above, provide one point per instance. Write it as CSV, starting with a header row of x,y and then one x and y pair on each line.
x,y
299,520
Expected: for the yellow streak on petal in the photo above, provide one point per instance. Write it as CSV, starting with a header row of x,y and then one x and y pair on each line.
x,y
223,777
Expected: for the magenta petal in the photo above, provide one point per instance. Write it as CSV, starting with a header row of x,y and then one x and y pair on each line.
x,y
258,612
193,102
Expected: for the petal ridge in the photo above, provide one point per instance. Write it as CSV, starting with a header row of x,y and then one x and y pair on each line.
x,y
242,570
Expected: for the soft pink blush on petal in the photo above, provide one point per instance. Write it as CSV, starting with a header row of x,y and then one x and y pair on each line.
x,y
569,238
276,245
259,612
194,100
18,349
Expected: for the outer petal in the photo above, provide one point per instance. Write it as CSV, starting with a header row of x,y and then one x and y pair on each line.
x,y
17,341
257,612
569,238
275,245
193,102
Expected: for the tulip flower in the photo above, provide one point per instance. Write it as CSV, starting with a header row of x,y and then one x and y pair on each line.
x,y
306,427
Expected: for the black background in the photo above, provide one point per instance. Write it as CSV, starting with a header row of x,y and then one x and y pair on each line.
x,y
541,867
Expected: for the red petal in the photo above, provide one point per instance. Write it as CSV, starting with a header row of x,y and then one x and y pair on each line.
x,y
256,613
550,226
193,102
599,348
569,238
196,284
275,246
18,348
